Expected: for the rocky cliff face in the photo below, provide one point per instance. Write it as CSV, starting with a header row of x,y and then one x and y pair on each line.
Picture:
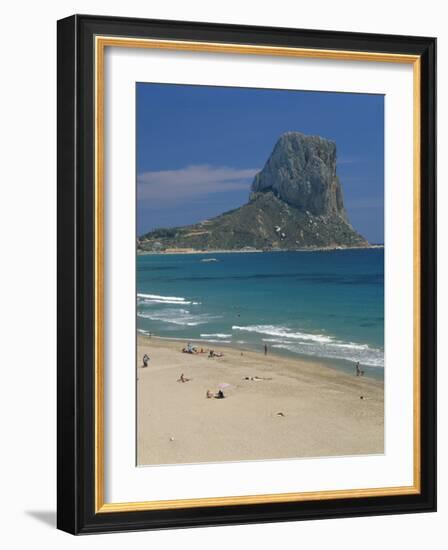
x,y
295,203
301,171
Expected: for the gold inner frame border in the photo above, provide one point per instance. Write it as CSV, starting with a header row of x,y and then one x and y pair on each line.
x,y
100,44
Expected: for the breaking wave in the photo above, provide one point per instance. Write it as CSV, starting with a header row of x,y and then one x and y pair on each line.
x,y
318,345
157,299
216,335
178,316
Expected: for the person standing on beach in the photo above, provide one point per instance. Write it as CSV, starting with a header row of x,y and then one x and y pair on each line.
x,y
265,349
359,372
145,360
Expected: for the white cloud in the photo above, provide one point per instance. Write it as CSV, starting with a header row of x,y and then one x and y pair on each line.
x,y
192,181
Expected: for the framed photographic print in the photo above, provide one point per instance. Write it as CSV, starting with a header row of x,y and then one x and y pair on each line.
x,y
246,269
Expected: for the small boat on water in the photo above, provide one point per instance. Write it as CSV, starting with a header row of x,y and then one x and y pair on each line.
x,y
209,260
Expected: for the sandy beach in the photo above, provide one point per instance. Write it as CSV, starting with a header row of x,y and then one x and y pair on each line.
x,y
286,408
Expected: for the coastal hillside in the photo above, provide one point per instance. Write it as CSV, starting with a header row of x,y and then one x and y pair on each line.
x,y
296,202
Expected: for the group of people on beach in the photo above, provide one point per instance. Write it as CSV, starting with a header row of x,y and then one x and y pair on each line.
x,y
209,394
189,348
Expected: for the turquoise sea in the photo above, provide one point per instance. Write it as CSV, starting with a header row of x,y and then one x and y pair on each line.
x,y
327,305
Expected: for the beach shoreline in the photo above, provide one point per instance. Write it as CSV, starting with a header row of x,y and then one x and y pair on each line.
x,y
251,251
274,407
341,365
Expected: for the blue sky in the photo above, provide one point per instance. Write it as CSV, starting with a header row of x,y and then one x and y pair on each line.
x,y
198,148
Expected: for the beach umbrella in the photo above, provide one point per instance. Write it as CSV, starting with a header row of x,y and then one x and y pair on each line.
x,y
224,385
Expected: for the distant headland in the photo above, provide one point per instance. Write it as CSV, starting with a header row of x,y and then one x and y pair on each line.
x,y
295,203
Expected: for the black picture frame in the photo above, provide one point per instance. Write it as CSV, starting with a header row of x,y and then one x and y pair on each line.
x,y
76,289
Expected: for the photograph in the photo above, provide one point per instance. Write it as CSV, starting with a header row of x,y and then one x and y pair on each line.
x,y
259,274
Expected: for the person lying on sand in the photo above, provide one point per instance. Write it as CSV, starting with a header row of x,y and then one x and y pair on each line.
x,y
183,379
209,394
256,378
220,395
